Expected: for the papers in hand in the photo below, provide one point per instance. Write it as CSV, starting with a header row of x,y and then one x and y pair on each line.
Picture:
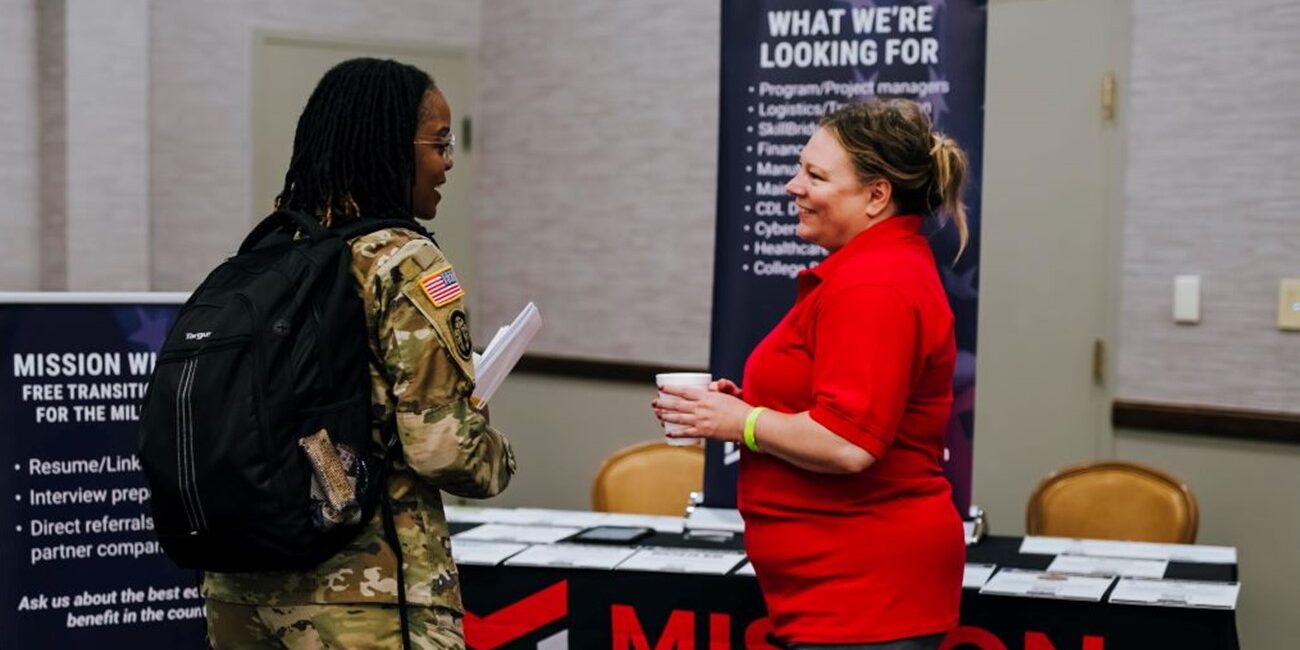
x,y
503,352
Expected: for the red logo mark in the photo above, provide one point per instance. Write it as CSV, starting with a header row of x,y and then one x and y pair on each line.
x,y
517,619
679,632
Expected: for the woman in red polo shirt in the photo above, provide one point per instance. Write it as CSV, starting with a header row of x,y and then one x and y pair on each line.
x,y
849,521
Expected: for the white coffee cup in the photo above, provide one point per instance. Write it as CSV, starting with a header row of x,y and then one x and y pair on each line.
x,y
695,379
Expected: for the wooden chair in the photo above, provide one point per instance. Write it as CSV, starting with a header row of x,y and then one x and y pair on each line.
x,y
1113,500
651,478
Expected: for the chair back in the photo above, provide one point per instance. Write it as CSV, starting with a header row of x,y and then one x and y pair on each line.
x,y
1113,500
651,478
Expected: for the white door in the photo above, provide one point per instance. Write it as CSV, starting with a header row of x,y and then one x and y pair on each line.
x,y
1050,222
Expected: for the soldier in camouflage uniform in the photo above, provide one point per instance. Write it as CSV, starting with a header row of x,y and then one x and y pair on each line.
x,y
419,330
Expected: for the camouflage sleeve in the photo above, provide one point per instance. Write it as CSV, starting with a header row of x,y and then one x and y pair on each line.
x,y
421,334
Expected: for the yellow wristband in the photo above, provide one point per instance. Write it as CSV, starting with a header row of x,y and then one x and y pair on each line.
x,y
750,421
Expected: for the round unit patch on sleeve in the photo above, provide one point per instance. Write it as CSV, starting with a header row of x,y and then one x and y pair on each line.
x,y
441,285
459,322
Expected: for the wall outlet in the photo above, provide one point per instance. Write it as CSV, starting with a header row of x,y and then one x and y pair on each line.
x,y
1288,304
1187,299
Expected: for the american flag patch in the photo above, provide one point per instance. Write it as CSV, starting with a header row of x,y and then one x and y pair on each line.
x,y
442,286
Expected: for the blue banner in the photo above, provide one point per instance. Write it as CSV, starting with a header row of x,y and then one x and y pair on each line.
x,y
785,63
81,565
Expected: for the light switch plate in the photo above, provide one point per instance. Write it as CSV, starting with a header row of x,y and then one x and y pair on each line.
x,y
1288,304
1187,299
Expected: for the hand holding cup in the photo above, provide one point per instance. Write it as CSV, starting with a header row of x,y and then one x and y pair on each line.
x,y
702,409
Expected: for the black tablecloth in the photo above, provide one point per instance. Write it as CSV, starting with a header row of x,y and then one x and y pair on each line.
x,y
551,608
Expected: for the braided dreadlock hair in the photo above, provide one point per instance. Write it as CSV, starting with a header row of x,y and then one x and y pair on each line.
x,y
352,151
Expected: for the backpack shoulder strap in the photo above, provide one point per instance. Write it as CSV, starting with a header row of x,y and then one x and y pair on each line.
x,y
283,219
362,227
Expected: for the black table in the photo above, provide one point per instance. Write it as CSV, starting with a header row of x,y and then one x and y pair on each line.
x,y
1044,624
554,608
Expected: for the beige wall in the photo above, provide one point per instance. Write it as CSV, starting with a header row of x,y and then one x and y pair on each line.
x,y
1248,497
1212,190
106,89
597,173
52,216
202,84
126,128
19,132
562,428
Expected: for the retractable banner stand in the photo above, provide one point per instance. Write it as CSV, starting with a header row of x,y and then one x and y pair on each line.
x,y
80,564
785,64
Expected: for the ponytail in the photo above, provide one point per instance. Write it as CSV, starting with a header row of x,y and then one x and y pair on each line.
x,y
950,167
895,140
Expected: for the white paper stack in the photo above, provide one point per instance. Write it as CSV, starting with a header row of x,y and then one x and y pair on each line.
x,y
661,523
1084,565
503,352
1176,593
1198,553
476,515
468,551
583,556
714,519
549,517
683,560
976,575
1041,584
517,534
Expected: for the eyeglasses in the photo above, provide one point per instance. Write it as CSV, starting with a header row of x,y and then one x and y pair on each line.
x,y
445,147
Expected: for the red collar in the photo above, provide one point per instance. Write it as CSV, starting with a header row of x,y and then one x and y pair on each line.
x,y
889,230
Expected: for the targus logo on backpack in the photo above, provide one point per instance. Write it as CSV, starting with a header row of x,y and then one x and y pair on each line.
x,y
197,336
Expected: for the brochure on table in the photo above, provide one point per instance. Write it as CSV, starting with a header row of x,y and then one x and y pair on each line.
x,y
976,575
470,551
683,560
517,534
714,519
1108,566
1195,553
1041,584
1176,593
548,517
581,556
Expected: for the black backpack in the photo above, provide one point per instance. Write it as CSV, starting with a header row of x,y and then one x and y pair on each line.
x,y
268,352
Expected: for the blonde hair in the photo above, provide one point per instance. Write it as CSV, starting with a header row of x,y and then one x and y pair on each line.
x,y
894,140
